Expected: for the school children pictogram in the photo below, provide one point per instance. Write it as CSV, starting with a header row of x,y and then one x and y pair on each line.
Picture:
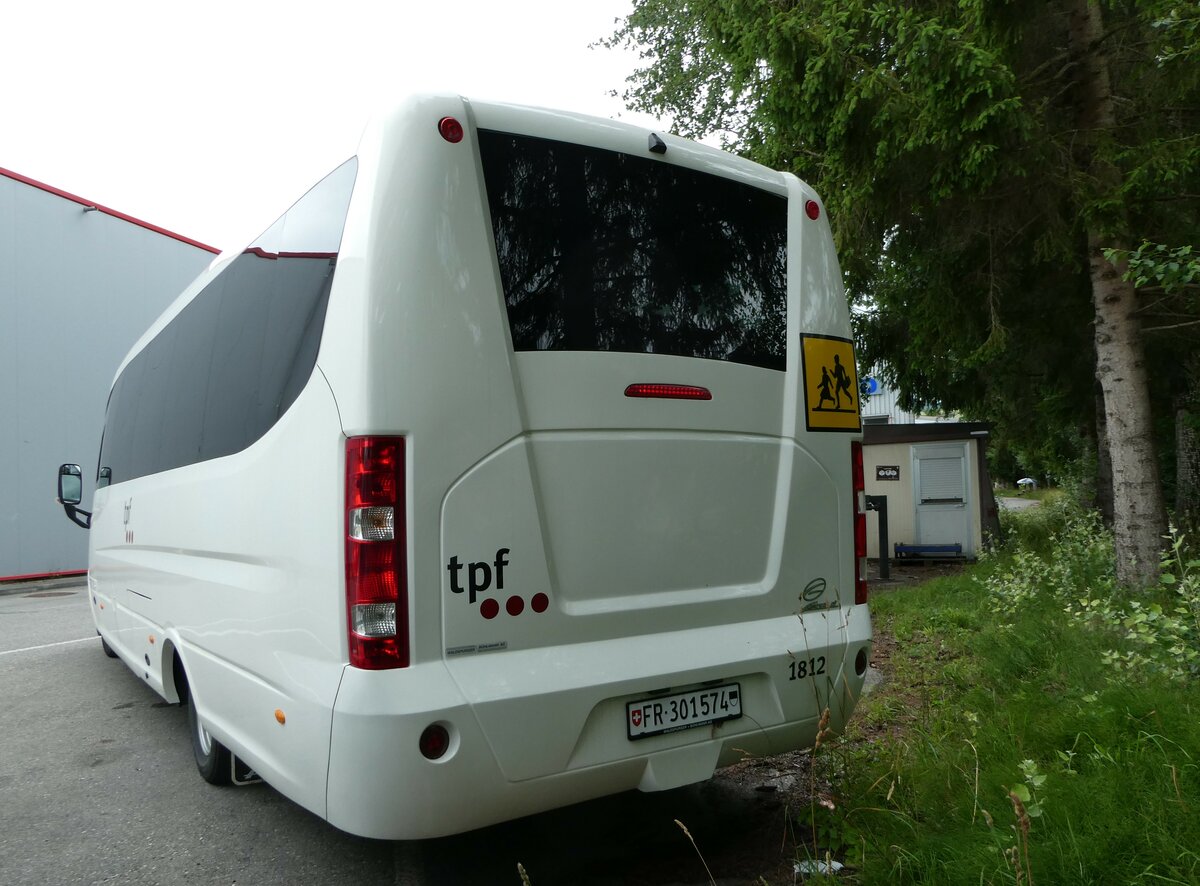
x,y
830,383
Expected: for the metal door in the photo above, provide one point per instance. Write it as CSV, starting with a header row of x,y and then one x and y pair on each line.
x,y
942,496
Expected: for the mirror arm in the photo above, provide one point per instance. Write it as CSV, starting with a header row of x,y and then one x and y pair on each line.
x,y
73,512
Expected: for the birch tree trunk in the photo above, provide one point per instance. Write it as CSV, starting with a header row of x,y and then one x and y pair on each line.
x,y
1139,516
1104,481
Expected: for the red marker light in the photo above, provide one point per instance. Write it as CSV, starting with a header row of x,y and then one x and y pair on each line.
x,y
668,392
812,209
451,130
858,478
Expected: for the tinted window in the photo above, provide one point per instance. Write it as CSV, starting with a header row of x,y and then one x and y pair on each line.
x,y
602,251
224,370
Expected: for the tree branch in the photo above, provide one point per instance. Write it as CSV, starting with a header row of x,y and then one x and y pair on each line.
x,y
1173,326
1166,198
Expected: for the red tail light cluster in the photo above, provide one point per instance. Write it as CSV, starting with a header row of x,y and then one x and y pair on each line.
x,y
376,591
860,523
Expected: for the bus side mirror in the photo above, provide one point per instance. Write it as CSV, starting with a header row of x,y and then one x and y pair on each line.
x,y
70,494
70,484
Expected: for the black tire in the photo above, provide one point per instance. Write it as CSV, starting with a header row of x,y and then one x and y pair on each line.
x,y
212,757
108,650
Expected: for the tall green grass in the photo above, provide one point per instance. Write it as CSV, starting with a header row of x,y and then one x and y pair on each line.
x,y
1006,747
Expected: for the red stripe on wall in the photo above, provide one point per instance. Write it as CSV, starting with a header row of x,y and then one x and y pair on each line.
x,y
38,575
50,189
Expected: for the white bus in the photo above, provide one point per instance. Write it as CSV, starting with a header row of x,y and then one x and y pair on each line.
x,y
516,464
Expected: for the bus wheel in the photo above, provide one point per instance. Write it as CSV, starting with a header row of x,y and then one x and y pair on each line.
x,y
108,650
212,757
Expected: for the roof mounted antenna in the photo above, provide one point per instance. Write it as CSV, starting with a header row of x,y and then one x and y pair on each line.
x,y
657,145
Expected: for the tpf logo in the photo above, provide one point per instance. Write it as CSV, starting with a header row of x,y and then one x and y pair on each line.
x,y
479,575
128,514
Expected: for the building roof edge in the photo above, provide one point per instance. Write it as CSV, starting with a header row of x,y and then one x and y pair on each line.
x,y
58,192
924,432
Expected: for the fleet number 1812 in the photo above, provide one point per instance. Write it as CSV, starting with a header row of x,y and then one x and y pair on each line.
x,y
807,667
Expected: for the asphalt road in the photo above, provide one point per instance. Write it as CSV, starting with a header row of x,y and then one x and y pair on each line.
x,y
98,785
1016,504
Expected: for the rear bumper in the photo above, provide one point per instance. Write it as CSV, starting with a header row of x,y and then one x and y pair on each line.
x,y
532,731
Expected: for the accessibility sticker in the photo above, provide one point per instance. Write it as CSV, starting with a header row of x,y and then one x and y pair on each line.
x,y
830,383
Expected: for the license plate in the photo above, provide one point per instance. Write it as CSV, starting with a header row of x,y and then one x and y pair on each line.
x,y
683,710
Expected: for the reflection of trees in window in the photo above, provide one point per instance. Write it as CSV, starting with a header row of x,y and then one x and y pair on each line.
x,y
612,252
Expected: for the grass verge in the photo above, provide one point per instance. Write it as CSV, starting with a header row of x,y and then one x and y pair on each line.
x,y
1002,749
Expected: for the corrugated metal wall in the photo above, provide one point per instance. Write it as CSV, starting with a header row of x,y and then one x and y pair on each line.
x,y
77,288
884,403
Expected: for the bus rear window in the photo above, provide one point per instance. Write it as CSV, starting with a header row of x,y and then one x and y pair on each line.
x,y
603,251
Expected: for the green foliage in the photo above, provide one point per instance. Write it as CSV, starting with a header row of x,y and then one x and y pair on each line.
x,y
1158,265
977,711
1055,549
1033,530
1160,635
1178,25
1027,789
1060,553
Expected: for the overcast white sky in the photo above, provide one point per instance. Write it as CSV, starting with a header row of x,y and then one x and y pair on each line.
x,y
209,119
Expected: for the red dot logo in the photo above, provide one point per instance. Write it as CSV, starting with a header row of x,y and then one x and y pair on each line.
x,y
489,608
515,605
540,602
